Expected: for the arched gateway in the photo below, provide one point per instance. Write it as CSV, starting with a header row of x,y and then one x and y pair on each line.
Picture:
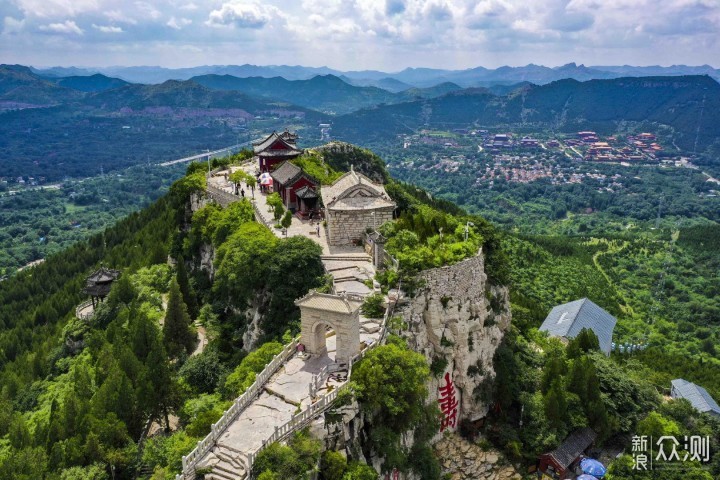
x,y
339,312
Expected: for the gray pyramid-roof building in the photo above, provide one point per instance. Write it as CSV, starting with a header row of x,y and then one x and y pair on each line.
x,y
695,394
568,319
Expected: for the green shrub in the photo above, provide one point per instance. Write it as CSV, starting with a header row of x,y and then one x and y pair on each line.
x,y
332,465
244,375
373,306
438,365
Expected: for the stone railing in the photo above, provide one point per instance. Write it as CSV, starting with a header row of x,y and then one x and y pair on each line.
x,y
204,446
259,216
303,418
221,196
81,307
297,422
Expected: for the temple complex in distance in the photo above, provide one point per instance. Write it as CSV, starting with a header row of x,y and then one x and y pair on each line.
x,y
275,149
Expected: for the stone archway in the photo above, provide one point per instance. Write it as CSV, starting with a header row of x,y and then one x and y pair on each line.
x,y
339,312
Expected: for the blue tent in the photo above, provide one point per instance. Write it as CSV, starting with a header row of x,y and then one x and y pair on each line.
x,y
586,477
592,467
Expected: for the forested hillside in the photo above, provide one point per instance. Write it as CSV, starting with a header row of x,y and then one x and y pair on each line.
x,y
78,395
564,105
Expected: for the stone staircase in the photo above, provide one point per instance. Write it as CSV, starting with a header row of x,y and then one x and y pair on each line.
x,y
224,463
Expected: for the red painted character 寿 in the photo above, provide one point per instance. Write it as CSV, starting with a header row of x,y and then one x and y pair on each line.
x,y
448,404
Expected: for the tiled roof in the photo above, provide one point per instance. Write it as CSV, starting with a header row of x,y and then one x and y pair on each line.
x,y
288,173
98,284
573,446
695,394
288,144
103,275
329,302
285,172
355,191
569,319
306,192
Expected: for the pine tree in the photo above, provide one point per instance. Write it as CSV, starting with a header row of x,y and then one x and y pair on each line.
x,y
186,289
177,334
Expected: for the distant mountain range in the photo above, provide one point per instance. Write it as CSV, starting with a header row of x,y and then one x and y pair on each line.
x,y
688,107
393,82
19,84
96,109
326,93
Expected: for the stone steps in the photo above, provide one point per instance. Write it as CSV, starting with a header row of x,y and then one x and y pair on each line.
x,y
231,459
346,257
225,468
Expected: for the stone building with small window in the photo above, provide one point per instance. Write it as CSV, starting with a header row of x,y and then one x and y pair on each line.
x,y
353,204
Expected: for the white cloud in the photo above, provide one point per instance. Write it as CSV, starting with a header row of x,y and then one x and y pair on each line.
x,y
178,23
148,10
12,25
67,27
57,8
107,28
189,7
242,14
119,17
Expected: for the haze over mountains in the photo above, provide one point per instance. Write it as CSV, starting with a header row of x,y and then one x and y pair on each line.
x,y
410,77
207,111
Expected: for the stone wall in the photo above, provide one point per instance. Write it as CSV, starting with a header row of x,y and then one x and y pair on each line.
x,y
348,227
457,317
463,460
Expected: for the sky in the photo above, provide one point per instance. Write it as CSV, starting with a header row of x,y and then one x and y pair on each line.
x,y
387,35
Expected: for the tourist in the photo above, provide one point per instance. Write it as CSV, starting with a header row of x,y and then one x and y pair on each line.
x,y
317,229
242,192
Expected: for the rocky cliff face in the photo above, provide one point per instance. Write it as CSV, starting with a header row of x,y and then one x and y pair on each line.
x,y
457,320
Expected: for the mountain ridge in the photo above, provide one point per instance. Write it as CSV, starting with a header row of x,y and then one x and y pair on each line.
x,y
418,76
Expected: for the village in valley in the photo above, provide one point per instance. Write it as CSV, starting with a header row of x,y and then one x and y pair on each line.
x,y
491,156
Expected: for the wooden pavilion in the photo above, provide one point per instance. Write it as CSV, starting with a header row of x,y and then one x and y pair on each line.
x,y
297,188
98,284
275,149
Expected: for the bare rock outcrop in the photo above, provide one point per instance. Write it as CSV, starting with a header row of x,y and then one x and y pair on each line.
x,y
457,319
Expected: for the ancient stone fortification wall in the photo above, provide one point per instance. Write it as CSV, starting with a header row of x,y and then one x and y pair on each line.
x,y
346,227
459,318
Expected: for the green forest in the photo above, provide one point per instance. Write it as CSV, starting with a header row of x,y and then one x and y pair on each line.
x,y
78,396
35,224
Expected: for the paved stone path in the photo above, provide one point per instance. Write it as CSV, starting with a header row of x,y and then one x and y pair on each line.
x,y
289,389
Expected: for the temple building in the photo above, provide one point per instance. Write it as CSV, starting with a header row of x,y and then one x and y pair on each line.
x,y
297,188
353,204
275,149
98,284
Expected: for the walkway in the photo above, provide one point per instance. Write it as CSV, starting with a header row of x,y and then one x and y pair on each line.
x,y
288,391
350,266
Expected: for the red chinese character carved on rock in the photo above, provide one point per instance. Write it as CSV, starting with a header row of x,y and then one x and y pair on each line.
x,y
448,404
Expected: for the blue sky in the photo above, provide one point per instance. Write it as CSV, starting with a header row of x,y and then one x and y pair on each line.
x,y
360,34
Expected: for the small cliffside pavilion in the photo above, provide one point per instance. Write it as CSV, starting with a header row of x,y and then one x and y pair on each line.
x,y
353,204
275,149
98,284
568,319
